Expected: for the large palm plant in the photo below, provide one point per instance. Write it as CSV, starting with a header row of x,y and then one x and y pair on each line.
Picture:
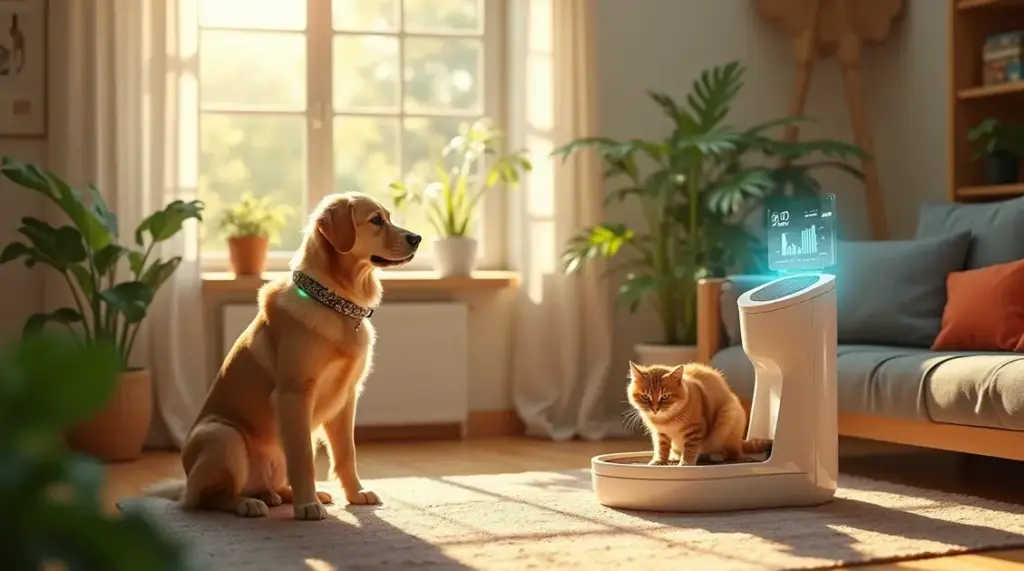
x,y
704,180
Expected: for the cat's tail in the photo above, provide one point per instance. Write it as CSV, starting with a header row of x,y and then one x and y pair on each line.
x,y
757,445
173,490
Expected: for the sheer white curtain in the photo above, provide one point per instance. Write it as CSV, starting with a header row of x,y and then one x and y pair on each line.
x,y
123,117
563,335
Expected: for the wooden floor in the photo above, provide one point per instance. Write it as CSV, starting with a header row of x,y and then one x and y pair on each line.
x,y
953,473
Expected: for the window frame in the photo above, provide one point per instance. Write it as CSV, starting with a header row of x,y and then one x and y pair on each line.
x,y
319,114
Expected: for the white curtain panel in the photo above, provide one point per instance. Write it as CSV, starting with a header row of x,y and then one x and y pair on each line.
x,y
123,117
563,341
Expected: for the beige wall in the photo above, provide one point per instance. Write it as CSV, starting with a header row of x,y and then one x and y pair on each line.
x,y
662,44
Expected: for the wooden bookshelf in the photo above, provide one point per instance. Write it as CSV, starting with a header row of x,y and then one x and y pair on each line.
x,y
971,22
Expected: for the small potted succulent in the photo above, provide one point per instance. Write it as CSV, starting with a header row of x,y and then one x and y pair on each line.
x,y
250,226
1001,147
451,198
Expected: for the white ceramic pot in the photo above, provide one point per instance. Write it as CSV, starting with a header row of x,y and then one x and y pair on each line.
x,y
650,354
455,256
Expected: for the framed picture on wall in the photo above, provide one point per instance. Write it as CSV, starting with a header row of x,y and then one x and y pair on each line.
x,y
23,68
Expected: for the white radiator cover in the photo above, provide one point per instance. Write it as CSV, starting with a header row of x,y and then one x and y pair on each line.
x,y
421,365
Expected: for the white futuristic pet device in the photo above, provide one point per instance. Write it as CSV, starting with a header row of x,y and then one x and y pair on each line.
x,y
788,328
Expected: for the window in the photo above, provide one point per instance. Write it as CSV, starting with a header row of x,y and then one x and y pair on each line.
x,y
299,99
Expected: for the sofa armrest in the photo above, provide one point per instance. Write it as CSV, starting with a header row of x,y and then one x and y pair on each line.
x,y
709,318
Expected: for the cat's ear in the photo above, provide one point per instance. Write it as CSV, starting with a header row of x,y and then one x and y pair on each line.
x,y
634,371
676,374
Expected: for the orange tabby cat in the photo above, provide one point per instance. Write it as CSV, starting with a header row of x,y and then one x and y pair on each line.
x,y
691,411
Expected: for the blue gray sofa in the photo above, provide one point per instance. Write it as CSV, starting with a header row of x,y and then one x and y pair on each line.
x,y
890,297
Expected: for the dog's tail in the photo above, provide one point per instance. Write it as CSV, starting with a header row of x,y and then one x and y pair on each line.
x,y
173,490
757,445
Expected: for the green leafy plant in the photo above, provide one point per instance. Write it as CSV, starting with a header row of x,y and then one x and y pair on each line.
x,y
86,253
997,138
703,180
52,516
254,217
451,198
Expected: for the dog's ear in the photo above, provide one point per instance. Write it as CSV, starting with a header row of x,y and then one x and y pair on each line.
x,y
338,225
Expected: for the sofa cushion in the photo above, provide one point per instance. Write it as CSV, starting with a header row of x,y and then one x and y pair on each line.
x,y
997,228
893,292
972,389
985,310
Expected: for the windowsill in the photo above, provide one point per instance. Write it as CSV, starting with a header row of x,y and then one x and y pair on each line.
x,y
228,282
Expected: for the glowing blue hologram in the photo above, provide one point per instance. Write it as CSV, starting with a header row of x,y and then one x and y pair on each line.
x,y
801,233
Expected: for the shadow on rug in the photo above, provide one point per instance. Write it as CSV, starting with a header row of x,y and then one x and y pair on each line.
x,y
551,520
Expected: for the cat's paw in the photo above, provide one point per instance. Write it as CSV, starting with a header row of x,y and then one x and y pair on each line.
x,y
312,511
657,462
364,498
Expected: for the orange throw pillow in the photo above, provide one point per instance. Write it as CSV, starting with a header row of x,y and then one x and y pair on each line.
x,y
984,310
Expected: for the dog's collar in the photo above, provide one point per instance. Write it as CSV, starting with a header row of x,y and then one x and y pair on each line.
x,y
319,292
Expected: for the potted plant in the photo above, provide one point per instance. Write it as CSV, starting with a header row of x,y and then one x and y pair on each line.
x,y
450,200
108,306
1002,145
705,177
54,517
250,226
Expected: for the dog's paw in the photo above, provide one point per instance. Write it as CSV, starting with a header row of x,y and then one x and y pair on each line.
x,y
313,511
251,507
324,497
272,499
657,462
364,498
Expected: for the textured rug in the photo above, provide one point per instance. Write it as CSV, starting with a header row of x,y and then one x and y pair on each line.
x,y
550,520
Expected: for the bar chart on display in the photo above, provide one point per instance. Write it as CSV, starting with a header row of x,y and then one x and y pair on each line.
x,y
801,233
806,243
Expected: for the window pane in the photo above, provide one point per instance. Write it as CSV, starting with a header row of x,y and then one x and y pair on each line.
x,y
365,155
443,75
252,69
264,14
423,141
364,15
261,154
366,72
443,15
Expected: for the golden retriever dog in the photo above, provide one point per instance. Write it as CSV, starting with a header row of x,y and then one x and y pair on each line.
x,y
297,369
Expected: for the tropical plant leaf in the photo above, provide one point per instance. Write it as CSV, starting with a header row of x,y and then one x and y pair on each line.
x,y
712,93
27,176
679,116
164,224
59,247
594,241
107,258
130,299
84,279
728,194
635,288
64,316
16,250
135,262
67,382
102,212
159,272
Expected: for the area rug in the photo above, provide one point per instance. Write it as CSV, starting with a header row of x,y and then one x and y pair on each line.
x,y
550,520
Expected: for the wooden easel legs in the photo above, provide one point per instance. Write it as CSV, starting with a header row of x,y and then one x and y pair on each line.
x,y
849,55
849,59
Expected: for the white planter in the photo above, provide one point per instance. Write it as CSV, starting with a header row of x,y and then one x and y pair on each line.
x,y
455,256
649,354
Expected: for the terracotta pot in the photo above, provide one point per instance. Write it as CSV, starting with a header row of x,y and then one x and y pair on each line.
x,y
118,431
248,254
